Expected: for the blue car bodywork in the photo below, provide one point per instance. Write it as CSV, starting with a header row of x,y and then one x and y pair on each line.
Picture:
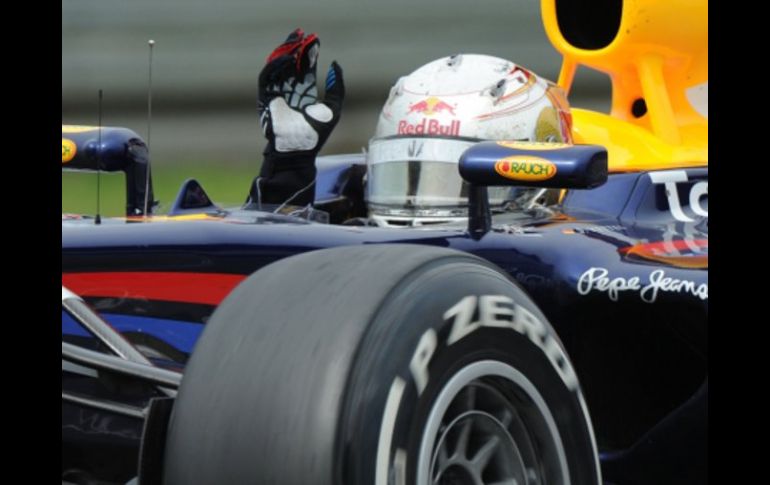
x,y
619,272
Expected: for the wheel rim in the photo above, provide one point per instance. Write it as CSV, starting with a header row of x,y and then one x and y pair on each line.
x,y
490,425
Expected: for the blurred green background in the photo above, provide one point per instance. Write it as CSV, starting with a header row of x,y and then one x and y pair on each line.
x,y
208,55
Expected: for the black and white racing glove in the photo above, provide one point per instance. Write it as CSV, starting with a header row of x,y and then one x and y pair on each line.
x,y
294,121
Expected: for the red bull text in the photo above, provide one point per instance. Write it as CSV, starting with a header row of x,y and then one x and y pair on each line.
x,y
429,127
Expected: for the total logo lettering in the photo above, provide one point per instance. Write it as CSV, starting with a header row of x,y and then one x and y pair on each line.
x,y
430,107
669,179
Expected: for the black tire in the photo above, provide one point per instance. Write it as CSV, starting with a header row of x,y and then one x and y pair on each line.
x,y
362,365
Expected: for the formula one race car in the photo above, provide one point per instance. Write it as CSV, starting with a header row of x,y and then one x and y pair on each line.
x,y
542,345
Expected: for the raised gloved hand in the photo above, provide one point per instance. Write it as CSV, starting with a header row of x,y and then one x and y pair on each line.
x,y
295,123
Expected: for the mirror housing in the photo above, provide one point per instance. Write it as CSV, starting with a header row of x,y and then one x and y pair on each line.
x,y
532,164
121,150
526,164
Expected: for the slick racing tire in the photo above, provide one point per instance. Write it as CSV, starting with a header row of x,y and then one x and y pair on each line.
x,y
390,364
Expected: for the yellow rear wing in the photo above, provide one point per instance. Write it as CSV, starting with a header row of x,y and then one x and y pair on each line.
x,y
656,55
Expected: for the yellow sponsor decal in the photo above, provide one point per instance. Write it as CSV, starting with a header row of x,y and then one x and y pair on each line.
x,y
68,150
525,168
533,145
77,128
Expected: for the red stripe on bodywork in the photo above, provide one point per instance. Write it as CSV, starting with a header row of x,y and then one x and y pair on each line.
x,y
205,288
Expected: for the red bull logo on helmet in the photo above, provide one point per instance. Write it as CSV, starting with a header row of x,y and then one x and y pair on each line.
x,y
429,127
431,106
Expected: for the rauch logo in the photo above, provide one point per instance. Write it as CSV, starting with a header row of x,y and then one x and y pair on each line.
x,y
525,168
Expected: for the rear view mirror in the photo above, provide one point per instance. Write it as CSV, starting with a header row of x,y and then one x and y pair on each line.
x,y
532,164
111,149
526,164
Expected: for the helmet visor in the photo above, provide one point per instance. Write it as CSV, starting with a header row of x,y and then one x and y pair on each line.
x,y
415,183
420,173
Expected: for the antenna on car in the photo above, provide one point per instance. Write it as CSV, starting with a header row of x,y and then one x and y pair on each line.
x,y
151,43
98,218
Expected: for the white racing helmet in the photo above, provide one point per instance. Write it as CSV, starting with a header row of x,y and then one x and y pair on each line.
x,y
434,114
